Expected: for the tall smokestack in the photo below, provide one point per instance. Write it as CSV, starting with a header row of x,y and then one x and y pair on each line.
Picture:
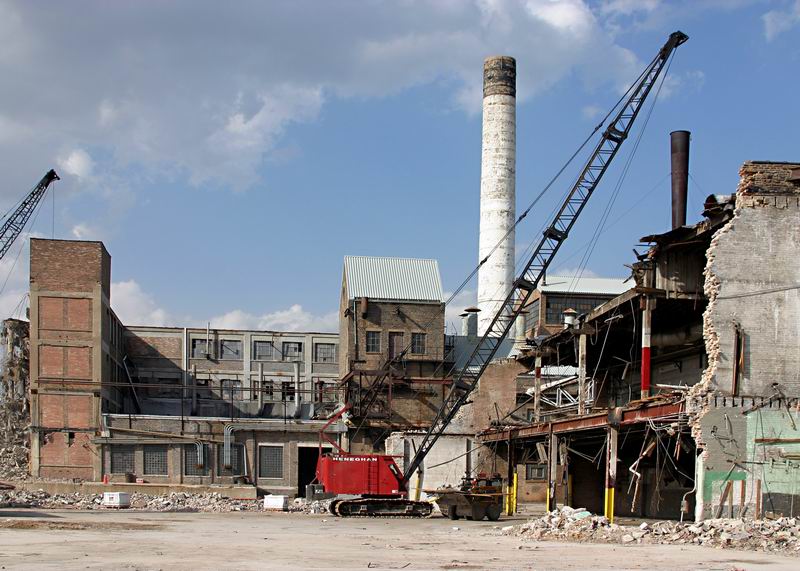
x,y
679,154
498,175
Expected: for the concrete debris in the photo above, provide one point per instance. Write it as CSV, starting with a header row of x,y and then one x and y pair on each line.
x,y
310,507
779,535
14,406
174,502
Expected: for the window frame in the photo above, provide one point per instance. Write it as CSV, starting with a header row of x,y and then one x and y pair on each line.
x,y
223,472
530,466
416,335
272,354
240,352
206,467
118,448
377,334
195,343
286,356
283,467
151,448
333,357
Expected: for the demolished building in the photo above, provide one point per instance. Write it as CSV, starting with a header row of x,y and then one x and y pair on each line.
x,y
687,397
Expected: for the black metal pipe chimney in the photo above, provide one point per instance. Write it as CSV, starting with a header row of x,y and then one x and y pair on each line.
x,y
679,153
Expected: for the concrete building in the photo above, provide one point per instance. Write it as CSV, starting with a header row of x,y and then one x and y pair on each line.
x,y
685,398
156,405
498,180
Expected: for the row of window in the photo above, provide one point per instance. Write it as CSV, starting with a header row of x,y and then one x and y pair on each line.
x,y
264,350
123,460
396,342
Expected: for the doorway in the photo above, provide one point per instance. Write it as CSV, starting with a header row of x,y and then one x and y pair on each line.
x,y
307,457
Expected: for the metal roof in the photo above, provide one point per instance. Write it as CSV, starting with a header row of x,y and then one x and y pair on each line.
x,y
573,284
408,279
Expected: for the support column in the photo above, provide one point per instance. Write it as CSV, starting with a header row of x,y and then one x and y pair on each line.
x,y
537,390
582,374
611,472
552,473
647,316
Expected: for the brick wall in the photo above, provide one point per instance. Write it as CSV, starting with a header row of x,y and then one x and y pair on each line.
x,y
72,350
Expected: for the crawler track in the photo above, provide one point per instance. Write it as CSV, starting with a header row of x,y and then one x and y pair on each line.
x,y
381,507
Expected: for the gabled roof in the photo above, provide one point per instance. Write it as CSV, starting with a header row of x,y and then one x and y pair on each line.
x,y
573,284
402,279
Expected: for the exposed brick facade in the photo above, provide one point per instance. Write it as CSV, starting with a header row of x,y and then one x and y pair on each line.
x,y
72,350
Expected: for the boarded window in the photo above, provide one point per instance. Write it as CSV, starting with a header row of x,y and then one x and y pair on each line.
x,y
264,350
270,461
236,467
292,350
230,349
123,459
324,353
418,343
155,459
194,466
373,341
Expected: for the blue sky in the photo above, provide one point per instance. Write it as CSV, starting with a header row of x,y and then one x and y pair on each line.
x,y
230,157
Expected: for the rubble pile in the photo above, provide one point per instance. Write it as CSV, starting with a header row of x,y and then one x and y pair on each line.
x,y
174,502
14,462
778,535
14,406
310,507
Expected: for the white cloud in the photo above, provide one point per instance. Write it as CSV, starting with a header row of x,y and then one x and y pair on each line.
x,y
591,111
293,319
77,163
776,22
206,92
627,7
84,231
134,306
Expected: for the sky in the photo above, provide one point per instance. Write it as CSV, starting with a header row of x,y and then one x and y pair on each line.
x,y
229,155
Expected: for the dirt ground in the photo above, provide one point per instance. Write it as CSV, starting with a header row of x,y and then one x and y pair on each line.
x,y
31,539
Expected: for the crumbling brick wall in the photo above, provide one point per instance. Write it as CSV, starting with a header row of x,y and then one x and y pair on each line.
x,y
751,328
14,403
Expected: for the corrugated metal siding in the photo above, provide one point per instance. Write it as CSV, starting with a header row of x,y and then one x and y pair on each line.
x,y
571,284
393,278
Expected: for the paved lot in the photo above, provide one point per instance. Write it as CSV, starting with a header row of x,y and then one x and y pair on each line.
x,y
32,539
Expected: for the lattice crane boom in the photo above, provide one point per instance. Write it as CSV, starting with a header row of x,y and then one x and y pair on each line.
x,y
526,283
17,220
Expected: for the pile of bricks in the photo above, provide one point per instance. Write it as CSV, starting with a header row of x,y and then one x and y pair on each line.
x,y
779,535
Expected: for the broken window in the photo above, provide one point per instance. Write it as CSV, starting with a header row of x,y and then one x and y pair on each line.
x,y
199,349
287,390
236,467
555,306
230,349
270,462
418,343
123,459
264,350
155,460
292,350
373,341
535,471
324,353
192,465
231,389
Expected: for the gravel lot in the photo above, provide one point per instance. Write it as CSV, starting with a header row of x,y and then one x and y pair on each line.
x,y
71,539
